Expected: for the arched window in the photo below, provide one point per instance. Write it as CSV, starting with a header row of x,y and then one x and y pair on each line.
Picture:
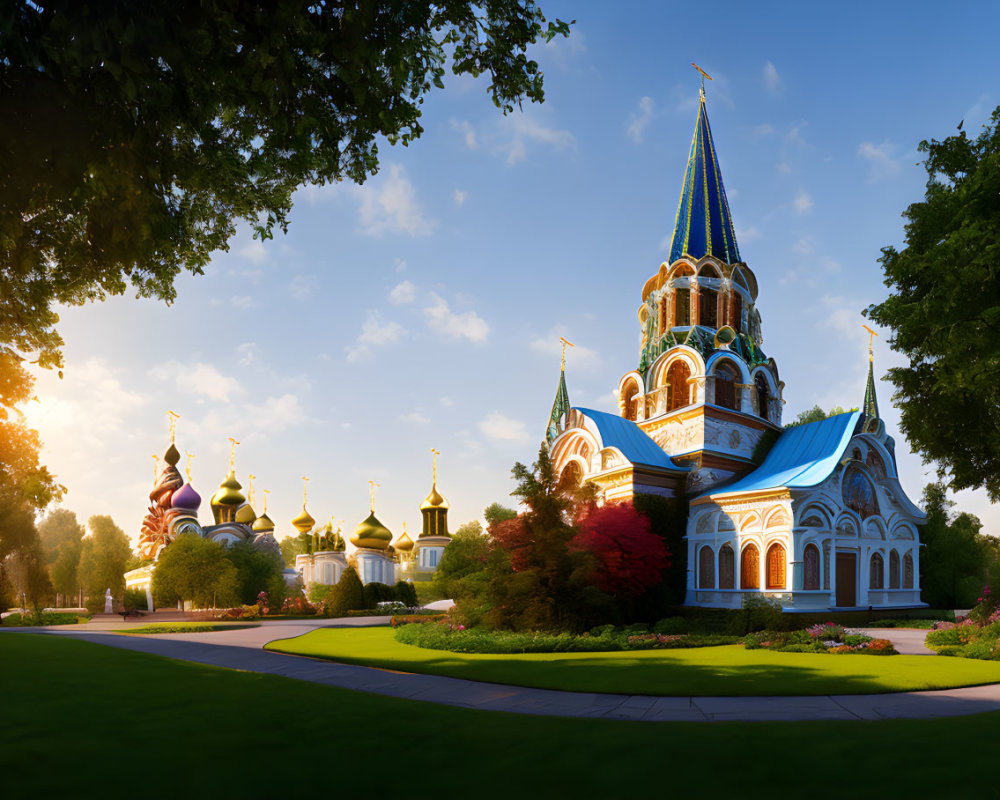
x,y
776,567
706,568
763,396
708,308
631,401
908,571
750,568
737,316
663,315
727,568
893,569
810,557
876,573
725,386
678,390
682,308
875,464
859,493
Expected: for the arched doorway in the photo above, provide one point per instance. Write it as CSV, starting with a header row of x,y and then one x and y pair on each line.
x,y
750,567
776,567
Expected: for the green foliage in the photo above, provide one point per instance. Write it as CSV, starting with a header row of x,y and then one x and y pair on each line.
x,y
136,599
759,612
375,593
668,520
184,627
103,557
35,618
765,443
944,311
347,595
195,569
406,594
814,414
292,546
955,559
462,572
57,529
255,573
495,513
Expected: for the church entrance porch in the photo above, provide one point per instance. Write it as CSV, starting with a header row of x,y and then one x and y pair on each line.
x,y
847,579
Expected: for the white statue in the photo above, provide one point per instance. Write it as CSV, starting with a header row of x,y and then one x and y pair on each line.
x,y
108,609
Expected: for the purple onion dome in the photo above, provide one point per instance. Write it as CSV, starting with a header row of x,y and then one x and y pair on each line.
x,y
187,498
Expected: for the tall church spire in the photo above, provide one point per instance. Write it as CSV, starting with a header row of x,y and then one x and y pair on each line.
x,y
703,225
870,408
560,407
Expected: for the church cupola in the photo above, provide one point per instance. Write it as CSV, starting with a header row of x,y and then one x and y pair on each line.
x,y
560,406
434,509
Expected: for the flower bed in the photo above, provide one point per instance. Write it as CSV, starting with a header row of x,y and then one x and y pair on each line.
x,y
822,638
444,635
975,636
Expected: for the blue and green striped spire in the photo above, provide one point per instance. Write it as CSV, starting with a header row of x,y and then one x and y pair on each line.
x,y
704,225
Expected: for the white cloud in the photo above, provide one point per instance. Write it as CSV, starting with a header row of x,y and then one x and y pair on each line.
x,y
783,168
498,428
772,80
750,234
414,417
400,265
459,197
465,128
198,379
803,246
577,357
247,352
273,415
389,205
467,325
637,122
243,301
403,293
762,130
803,202
447,402
375,332
524,130
880,160
302,286
254,251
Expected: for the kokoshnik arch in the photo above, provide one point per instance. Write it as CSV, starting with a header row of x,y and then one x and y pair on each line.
x,y
823,521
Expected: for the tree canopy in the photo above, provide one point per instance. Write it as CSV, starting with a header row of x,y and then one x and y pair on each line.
x,y
103,557
944,311
814,414
196,569
135,136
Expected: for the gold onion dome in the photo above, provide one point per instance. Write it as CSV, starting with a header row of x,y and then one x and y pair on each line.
x,y
229,492
263,524
245,514
304,522
172,456
372,534
434,500
404,543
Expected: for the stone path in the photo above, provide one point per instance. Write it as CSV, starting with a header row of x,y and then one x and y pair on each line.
x,y
242,649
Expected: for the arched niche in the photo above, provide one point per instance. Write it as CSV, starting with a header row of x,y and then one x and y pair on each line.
x,y
706,568
750,567
775,571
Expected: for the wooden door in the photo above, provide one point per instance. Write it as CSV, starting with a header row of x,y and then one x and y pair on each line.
x,y
847,579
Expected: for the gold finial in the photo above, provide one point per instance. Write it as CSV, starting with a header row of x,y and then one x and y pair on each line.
x,y
703,76
305,491
871,341
173,416
371,488
156,468
187,467
266,493
232,453
435,468
250,495
565,342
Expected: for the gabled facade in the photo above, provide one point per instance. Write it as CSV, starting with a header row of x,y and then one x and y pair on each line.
x,y
823,522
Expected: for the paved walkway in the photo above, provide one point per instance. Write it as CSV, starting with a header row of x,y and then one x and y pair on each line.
x,y
242,649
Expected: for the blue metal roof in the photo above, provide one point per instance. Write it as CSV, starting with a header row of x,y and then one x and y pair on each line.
x,y
631,440
703,225
803,456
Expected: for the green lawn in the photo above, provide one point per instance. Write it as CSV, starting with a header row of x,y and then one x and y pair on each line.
x,y
703,671
187,627
79,718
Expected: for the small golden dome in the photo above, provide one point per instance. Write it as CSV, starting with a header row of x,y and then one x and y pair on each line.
x,y
245,514
371,533
172,456
404,543
434,500
304,522
263,524
229,492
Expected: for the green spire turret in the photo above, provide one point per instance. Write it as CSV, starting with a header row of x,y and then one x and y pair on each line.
x,y
560,407
870,407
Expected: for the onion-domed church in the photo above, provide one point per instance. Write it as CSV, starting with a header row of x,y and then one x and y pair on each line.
x,y
813,515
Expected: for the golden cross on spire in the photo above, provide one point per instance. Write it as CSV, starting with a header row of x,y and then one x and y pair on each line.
x,y
703,76
173,416
371,488
232,453
871,341
435,469
266,493
565,342
250,497
187,467
305,491
156,468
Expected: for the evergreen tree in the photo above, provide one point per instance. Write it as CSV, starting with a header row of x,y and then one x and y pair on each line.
x,y
348,594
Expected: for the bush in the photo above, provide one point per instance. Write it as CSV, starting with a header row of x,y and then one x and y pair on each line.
x,y
136,598
406,594
31,619
375,593
830,639
759,613
347,595
671,625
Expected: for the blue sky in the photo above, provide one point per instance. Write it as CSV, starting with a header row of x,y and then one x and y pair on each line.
x,y
424,309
